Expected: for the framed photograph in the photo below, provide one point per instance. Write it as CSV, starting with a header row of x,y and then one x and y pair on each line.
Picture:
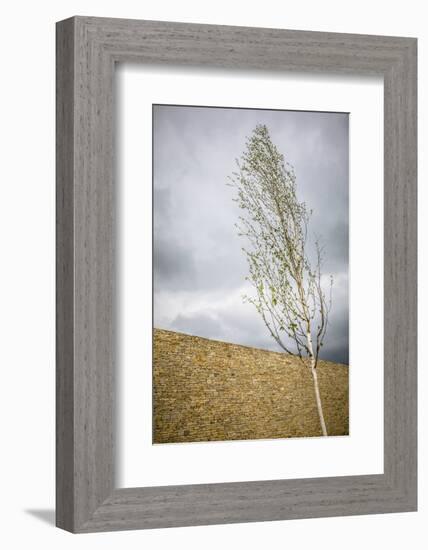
x,y
205,387
236,274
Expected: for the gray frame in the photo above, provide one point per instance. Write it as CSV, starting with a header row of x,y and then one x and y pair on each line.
x,y
87,50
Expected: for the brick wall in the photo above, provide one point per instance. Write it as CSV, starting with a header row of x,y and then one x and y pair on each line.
x,y
205,390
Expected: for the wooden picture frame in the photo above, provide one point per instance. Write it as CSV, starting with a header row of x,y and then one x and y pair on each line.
x,y
87,50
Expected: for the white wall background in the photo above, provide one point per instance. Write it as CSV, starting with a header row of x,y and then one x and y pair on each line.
x,y
27,272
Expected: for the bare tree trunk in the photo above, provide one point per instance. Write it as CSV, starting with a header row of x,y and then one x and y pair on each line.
x,y
315,379
318,397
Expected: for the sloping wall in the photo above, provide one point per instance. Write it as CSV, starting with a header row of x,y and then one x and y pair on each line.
x,y
205,390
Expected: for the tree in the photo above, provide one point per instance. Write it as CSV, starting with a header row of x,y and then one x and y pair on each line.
x,y
289,293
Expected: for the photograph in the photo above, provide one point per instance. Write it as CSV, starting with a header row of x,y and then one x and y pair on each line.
x,y
250,273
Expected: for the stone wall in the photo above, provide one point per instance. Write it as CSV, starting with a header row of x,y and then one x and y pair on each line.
x,y
205,390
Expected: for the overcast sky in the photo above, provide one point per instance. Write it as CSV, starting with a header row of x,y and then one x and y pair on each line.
x,y
199,268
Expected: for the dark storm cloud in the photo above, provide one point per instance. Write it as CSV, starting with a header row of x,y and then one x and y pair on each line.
x,y
199,268
173,259
336,241
173,265
336,348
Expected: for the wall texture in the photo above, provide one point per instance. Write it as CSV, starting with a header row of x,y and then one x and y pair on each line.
x,y
205,390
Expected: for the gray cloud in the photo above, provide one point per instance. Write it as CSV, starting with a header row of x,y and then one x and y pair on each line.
x,y
207,326
173,265
199,269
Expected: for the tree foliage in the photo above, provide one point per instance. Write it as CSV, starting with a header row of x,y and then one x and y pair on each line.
x,y
289,293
